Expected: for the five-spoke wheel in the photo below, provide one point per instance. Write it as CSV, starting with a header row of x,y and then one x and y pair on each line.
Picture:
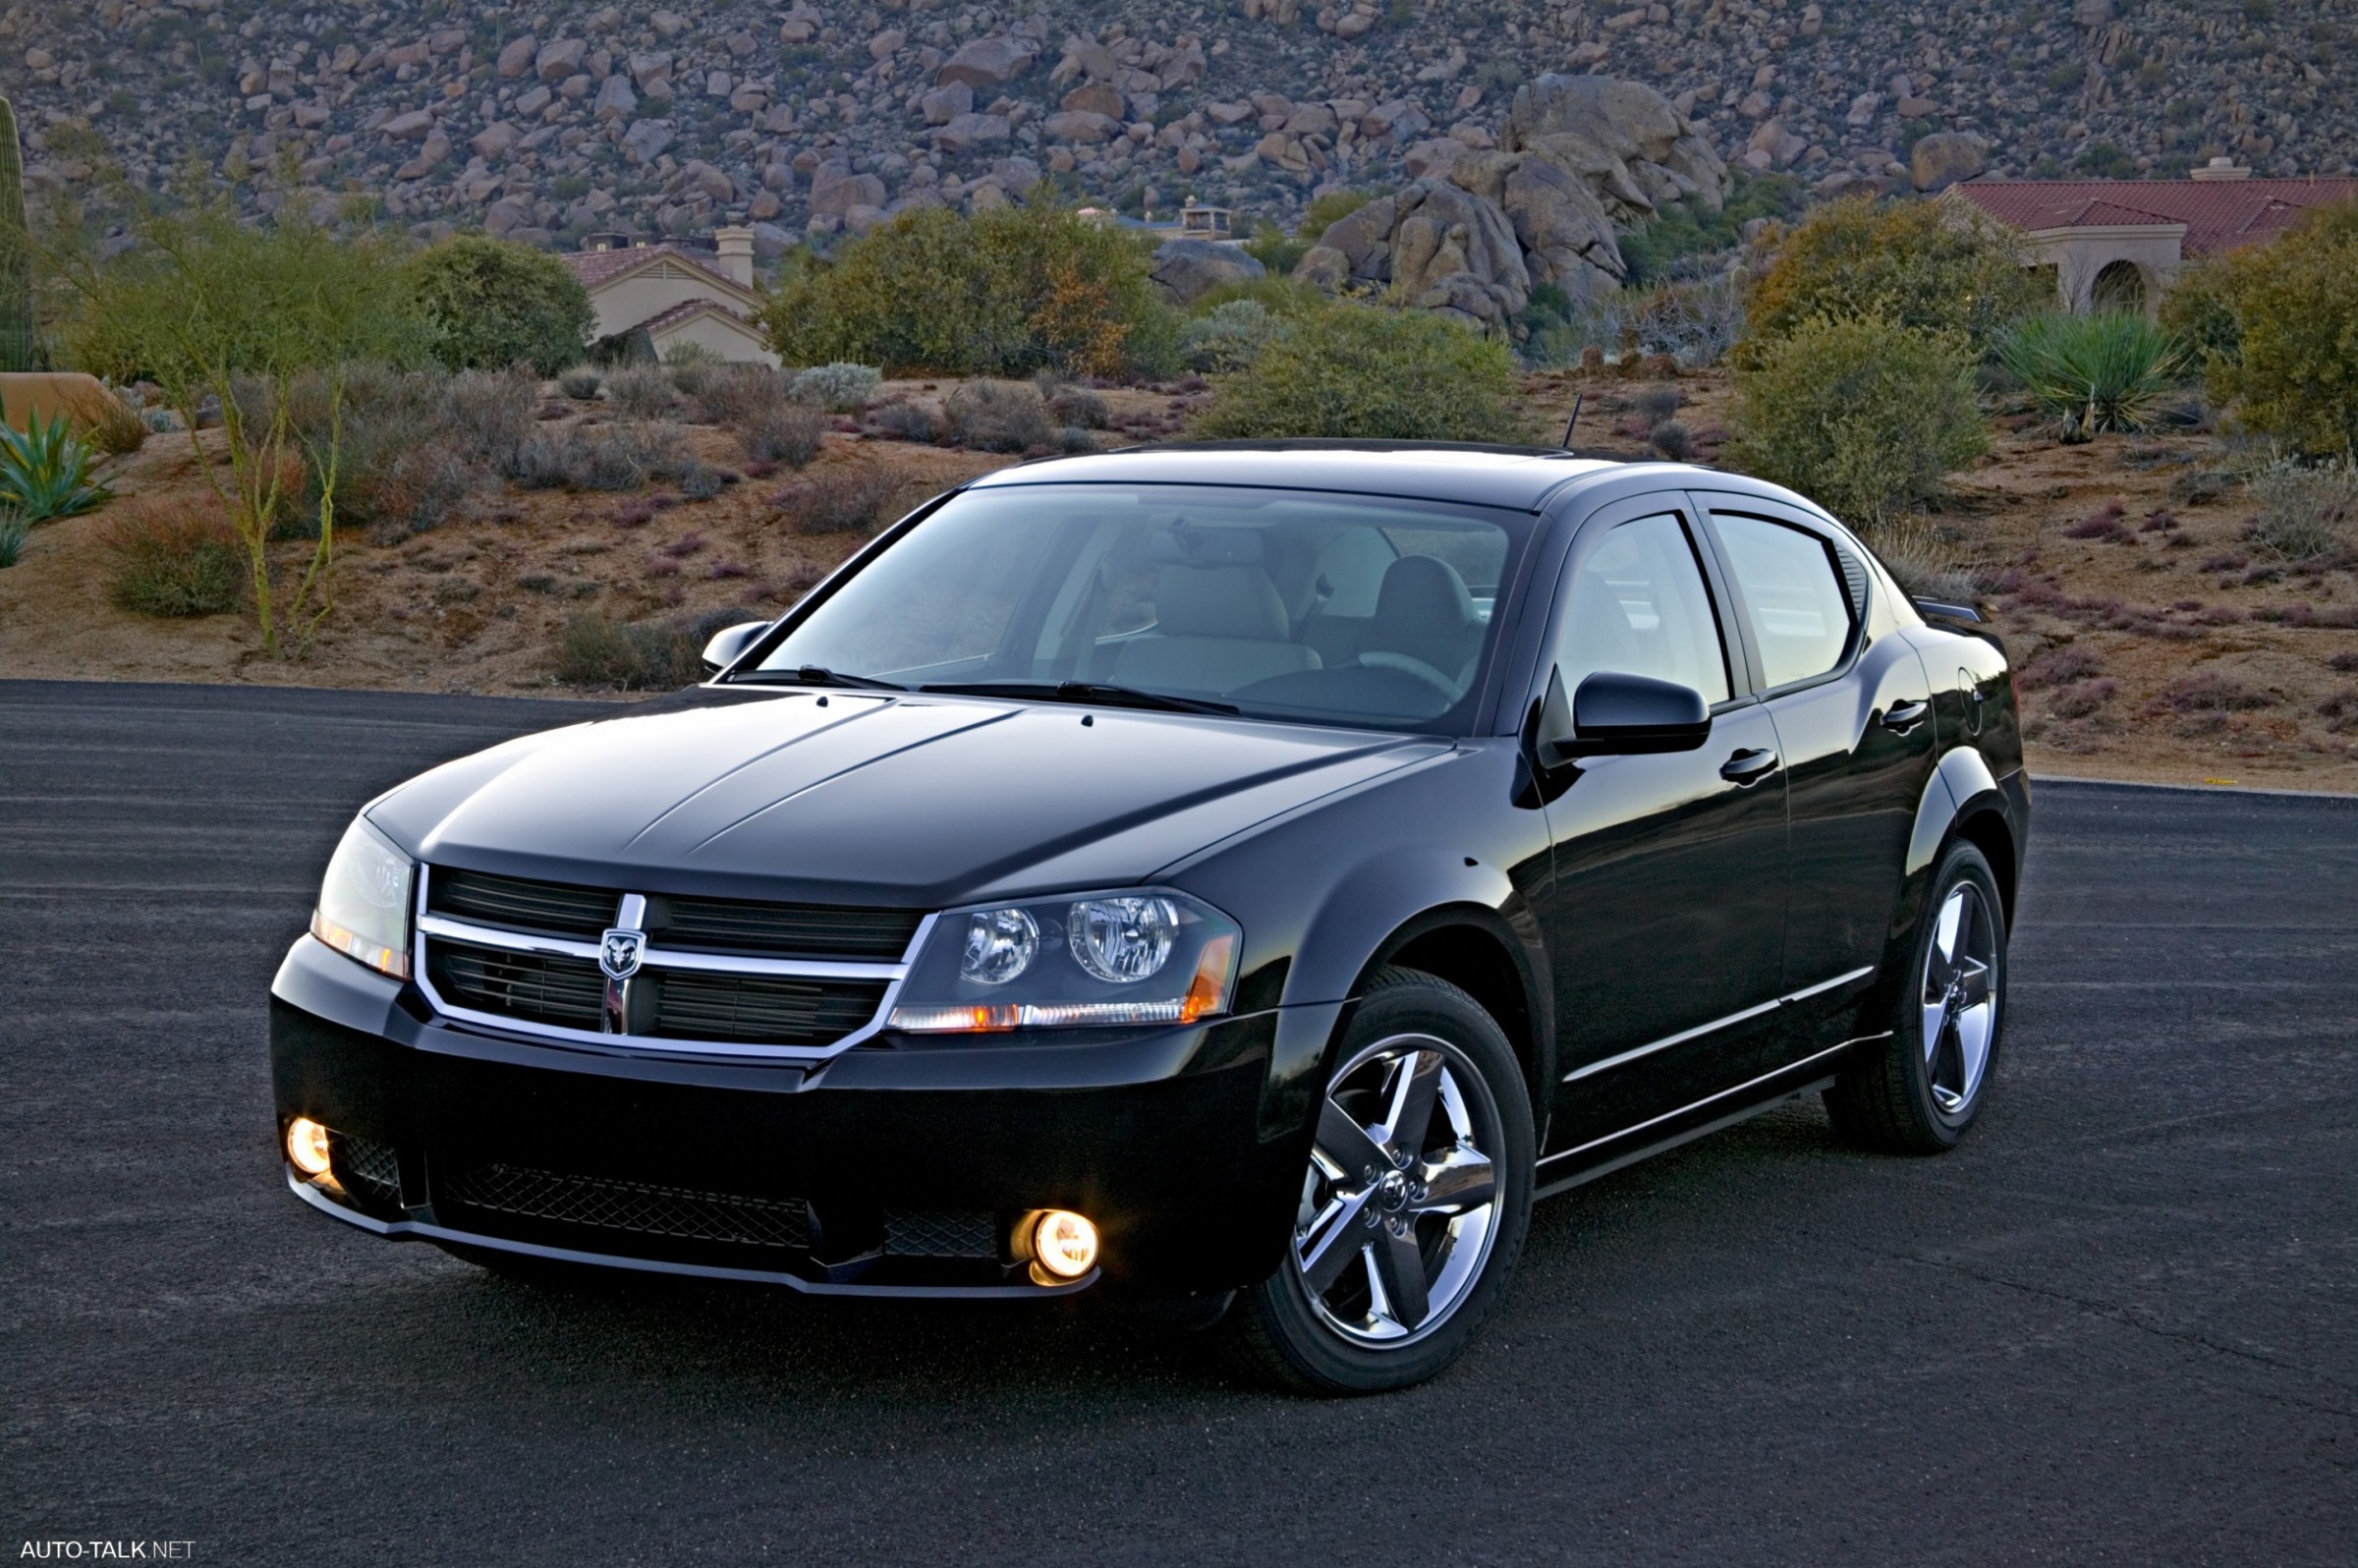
x,y
1415,1198
1959,997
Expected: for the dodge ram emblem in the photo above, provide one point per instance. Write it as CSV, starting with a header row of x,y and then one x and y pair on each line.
x,y
619,954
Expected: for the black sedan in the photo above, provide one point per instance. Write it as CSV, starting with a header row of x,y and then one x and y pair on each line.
x,y
1241,876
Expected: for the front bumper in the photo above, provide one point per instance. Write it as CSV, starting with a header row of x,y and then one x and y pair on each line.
x,y
899,1167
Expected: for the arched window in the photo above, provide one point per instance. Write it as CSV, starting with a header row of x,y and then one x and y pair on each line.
x,y
2118,286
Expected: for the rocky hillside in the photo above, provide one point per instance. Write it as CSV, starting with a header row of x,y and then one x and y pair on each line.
x,y
550,120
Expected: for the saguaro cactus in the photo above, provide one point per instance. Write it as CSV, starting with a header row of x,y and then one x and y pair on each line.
x,y
16,253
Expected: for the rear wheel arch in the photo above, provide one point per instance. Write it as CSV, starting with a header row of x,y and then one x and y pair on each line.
x,y
1987,829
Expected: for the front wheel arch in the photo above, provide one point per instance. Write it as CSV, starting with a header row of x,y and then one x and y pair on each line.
x,y
1474,950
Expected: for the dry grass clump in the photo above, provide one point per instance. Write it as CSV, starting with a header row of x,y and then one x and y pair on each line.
x,y
174,559
786,433
2305,514
841,501
640,392
997,416
595,649
622,456
108,423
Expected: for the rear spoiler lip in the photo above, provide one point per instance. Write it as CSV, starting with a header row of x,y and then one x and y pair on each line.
x,y
1947,611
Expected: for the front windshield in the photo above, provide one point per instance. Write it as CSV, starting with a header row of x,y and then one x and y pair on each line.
x,y
1336,609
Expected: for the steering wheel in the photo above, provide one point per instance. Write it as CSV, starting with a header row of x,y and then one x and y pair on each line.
x,y
1405,664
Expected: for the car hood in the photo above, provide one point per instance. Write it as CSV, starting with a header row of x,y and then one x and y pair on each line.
x,y
875,798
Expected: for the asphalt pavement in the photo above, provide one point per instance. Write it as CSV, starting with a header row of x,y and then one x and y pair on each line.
x,y
2119,1325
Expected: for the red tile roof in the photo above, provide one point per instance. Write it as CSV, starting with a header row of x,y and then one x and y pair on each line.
x,y
594,267
2218,214
692,307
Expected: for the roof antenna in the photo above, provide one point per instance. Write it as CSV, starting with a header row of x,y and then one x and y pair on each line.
x,y
1577,398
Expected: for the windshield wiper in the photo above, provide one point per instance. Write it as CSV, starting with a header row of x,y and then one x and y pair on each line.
x,y
814,675
1096,691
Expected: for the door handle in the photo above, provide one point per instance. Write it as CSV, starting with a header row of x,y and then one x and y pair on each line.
x,y
1749,766
1905,716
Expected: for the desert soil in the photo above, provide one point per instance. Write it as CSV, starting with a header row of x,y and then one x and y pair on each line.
x,y
2166,652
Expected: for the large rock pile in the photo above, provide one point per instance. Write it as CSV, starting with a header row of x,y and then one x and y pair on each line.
x,y
1483,226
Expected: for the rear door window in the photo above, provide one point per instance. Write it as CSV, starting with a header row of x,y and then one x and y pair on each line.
x,y
1794,597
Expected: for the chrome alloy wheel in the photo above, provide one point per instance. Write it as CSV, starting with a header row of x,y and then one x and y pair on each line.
x,y
1959,998
1399,1206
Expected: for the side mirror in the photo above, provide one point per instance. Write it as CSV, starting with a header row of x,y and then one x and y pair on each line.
x,y
1614,714
729,644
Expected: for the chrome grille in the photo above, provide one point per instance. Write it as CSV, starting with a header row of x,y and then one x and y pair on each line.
x,y
785,930
638,1207
539,988
941,1233
760,1009
517,905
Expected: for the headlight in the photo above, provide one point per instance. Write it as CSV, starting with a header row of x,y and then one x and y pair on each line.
x,y
1121,958
363,909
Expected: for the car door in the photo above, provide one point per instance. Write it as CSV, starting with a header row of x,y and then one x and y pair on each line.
x,y
1853,717
1665,915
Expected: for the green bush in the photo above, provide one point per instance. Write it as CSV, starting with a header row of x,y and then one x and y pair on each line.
x,y
174,560
1277,250
1361,370
2196,311
996,417
492,305
1863,415
2110,371
1653,251
1922,264
1227,337
2294,373
595,649
1006,292
836,388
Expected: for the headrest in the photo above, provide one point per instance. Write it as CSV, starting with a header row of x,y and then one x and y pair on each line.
x,y
1423,596
1221,602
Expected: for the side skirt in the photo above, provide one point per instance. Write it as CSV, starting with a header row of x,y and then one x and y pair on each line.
x,y
1809,1076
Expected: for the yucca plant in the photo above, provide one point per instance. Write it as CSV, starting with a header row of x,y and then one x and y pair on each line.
x,y
14,531
16,346
45,471
2112,370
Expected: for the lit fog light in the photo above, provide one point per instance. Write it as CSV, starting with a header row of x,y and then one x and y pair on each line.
x,y
1064,1244
306,1147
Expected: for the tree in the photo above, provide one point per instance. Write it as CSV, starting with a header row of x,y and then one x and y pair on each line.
x,y
1931,265
2292,367
493,306
228,317
1368,372
16,325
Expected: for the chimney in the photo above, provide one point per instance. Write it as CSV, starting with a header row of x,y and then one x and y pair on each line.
x,y
736,246
2219,169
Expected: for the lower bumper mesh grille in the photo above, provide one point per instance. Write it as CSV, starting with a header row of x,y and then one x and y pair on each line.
x,y
941,1233
636,1207
367,1169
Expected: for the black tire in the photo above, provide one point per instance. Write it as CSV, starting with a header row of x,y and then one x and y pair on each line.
x,y
1904,1098
1291,1333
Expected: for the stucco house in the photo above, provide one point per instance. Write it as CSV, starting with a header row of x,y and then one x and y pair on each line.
x,y
2115,244
669,294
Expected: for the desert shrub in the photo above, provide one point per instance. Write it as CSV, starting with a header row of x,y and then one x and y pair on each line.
x,y
788,432
2110,371
1277,250
1226,337
1329,208
640,392
595,649
46,471
1002,293
2294,373
996,417
1359,370
903,421
490,413
700,481
1922,563
738,393
492,305
1922,264
690,367
1696,323
2195,309
173,560
622,456
1863,415
1672,440
839,388
2305,514
14,531
111,427
1078,405
580,381
1075,439
847,501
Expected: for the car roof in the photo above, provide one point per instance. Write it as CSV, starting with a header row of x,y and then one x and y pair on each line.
x,y
1518,477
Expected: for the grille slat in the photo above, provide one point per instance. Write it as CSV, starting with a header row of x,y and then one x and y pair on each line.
x,y
786,931
760,1009
542,989
552,908
637,1208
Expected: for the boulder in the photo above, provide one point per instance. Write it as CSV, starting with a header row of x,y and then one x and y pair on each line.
x,y
1939,160
941,105
645,140
835,190
1566,236
1079,125
410,126
560,59
964,133
987,64
1439,246
1189,269
1095,98
1622,139
517,58
494,139
615,99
